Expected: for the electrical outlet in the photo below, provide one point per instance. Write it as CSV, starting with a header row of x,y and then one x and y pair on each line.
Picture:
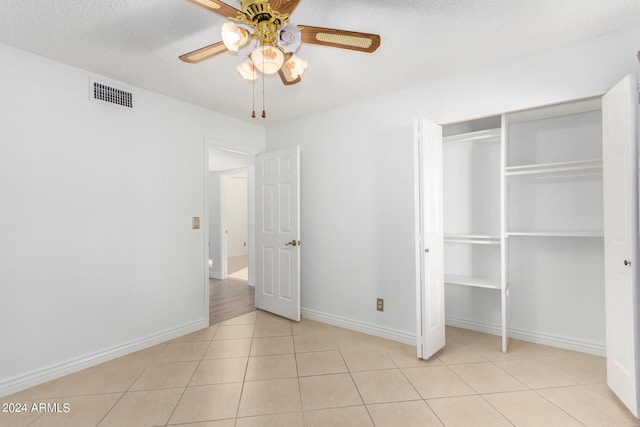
x,y
380,304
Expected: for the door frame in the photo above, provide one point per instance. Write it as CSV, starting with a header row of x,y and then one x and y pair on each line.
x,y
206,242
207,146
219,246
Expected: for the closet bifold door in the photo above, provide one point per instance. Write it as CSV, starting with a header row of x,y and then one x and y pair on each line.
x,y
428,238
620,183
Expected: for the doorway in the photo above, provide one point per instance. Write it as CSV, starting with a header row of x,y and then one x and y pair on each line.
x,y
230,233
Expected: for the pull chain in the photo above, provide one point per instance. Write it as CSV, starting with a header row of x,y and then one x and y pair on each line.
x,y
264,114
253,93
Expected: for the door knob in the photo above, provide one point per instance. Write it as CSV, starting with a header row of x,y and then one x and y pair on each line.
x,y
292,243
627,262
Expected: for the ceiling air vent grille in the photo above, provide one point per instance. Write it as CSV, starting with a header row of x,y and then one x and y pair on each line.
x,y
106,93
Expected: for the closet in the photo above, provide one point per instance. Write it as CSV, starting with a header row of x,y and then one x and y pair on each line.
x,y
525,225
554,223
522,218
472,205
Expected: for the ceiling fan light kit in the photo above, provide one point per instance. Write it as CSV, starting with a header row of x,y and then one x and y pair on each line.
x,y
277,39
296,65
247,70
289,37
233,36
267,59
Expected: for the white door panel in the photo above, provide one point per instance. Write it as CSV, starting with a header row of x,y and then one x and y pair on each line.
x,y
620,182
430,239
278,233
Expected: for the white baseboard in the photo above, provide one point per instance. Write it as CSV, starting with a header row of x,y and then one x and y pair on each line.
x,y
358,326
30,379
410,338
531,336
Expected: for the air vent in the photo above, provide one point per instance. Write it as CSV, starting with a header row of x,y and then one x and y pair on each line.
x,y
112,95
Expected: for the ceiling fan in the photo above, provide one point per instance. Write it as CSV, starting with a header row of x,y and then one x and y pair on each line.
x,y
277,39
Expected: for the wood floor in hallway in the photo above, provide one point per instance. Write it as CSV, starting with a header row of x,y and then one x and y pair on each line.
x,y
229,298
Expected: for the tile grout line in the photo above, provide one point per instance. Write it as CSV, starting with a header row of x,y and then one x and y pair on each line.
x,y
164,345
295,358
418,392
356,386
246,368
536,391
190,378
482,395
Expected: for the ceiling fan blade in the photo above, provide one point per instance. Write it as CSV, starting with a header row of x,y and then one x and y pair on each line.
x,y
204,53
362,42
286,76
218,7
284,6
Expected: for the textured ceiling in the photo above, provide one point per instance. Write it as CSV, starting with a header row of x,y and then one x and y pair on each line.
x,y
138,42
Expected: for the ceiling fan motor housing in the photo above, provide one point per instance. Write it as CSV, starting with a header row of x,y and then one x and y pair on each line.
x,y
266,21
256,10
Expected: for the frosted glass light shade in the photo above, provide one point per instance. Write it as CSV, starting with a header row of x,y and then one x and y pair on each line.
x,y
247,70
289,37
267,59
233,36
296,66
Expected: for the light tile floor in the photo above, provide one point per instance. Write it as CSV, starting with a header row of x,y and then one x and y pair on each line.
x,y
262,370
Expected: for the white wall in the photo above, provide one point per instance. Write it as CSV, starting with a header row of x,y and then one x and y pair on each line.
x,y
357,176
97,254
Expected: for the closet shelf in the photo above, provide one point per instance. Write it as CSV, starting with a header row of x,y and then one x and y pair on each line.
x,y
478,136
478,282
473,239
556,233
555,168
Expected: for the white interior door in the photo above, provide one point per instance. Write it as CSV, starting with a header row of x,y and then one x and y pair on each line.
x,y
620,181
278,232
429,239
